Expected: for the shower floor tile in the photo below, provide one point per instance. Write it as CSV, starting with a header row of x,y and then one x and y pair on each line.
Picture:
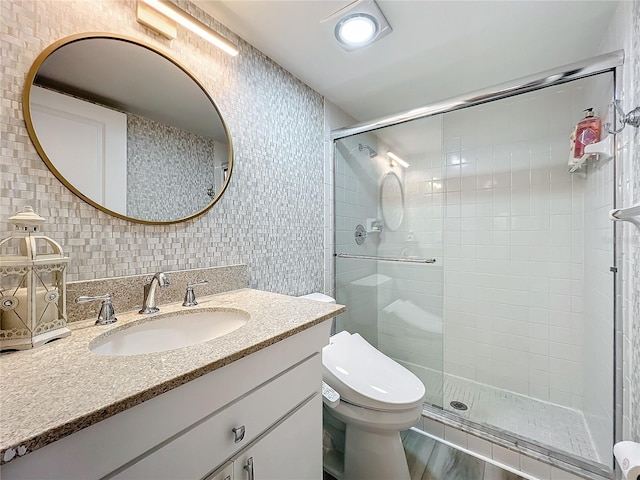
x,y
545,423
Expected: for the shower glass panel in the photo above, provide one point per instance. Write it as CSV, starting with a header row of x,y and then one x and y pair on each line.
x,y
394,297
512,327
528,292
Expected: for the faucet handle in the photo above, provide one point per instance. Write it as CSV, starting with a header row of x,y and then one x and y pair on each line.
x,y
190,296
107,314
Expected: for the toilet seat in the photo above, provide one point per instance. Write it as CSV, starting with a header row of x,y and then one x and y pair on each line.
x,y
365,377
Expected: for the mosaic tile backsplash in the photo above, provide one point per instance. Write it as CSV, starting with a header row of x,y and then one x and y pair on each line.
x,y
271,216
127,293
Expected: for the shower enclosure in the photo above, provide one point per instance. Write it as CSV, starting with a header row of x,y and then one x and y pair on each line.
x,y
472,248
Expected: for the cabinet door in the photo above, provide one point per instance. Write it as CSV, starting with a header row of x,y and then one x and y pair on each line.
x,y
223,473
291,451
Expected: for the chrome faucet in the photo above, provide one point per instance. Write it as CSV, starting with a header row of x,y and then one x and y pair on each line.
x,y
107,314
149,304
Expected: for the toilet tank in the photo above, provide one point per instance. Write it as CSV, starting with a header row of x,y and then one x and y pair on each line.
x,y
320,297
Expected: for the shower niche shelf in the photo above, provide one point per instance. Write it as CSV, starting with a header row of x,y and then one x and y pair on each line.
x,y
601,151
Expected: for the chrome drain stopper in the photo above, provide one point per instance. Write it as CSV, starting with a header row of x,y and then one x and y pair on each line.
x,y
458,405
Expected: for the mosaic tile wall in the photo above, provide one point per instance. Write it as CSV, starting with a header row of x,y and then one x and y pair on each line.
x,y
160,190
270,217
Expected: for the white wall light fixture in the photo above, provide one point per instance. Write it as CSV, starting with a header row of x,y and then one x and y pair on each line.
x,y
359,24
163,17
397,159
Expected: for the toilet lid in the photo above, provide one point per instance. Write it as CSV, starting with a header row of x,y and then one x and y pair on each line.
x,y
364,376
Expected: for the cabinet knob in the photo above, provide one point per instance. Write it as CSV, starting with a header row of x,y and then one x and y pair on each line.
x,y
239,433
249,468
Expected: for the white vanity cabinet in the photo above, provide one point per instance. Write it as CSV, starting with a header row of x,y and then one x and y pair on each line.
x,y
283,453
258,417
266,406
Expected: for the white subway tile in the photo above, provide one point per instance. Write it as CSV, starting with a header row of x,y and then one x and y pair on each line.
x,y
455,436
433,427
479,446
540,470
558,474
505,456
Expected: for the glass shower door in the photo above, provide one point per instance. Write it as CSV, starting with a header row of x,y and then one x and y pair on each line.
x,y
389,244
529,292
521,281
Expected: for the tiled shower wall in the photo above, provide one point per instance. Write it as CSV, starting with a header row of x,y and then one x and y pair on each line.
x,y
514,239
276,125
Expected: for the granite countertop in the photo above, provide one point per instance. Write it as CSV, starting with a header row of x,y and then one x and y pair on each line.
x,y
57,389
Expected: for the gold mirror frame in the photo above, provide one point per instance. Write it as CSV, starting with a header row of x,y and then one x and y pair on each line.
x,y
26,109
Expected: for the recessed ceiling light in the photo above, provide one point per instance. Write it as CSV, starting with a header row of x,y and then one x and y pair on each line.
x,y
359,24
357,30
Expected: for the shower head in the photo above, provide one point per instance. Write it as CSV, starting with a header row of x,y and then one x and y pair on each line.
x,y
372,152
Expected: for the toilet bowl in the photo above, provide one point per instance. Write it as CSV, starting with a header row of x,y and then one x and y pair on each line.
x,y
378,399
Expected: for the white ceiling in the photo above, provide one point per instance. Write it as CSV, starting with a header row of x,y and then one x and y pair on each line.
x,y
438,49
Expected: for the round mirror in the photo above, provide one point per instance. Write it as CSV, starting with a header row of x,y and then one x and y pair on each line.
x,y
392,201
127,129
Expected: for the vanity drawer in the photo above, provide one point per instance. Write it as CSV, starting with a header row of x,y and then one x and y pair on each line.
x,y
201,447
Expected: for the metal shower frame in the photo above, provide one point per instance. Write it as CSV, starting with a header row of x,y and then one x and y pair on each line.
x,y
610,62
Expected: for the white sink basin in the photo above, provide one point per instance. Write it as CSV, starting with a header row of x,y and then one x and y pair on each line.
x,y
168,332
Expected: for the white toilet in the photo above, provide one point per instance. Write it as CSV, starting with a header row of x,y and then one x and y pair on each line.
x,y
378,399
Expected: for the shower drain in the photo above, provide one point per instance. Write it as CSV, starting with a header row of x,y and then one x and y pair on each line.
x,y
458,405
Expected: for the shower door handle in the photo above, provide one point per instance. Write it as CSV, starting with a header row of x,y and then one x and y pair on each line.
x,y
387,259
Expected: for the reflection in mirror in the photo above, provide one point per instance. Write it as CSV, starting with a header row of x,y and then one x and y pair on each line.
x,y
392,201
127,129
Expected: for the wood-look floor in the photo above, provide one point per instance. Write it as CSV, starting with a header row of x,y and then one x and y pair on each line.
x,y
429,459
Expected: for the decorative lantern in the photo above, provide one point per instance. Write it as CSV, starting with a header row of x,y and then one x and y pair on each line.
x,y
32,286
